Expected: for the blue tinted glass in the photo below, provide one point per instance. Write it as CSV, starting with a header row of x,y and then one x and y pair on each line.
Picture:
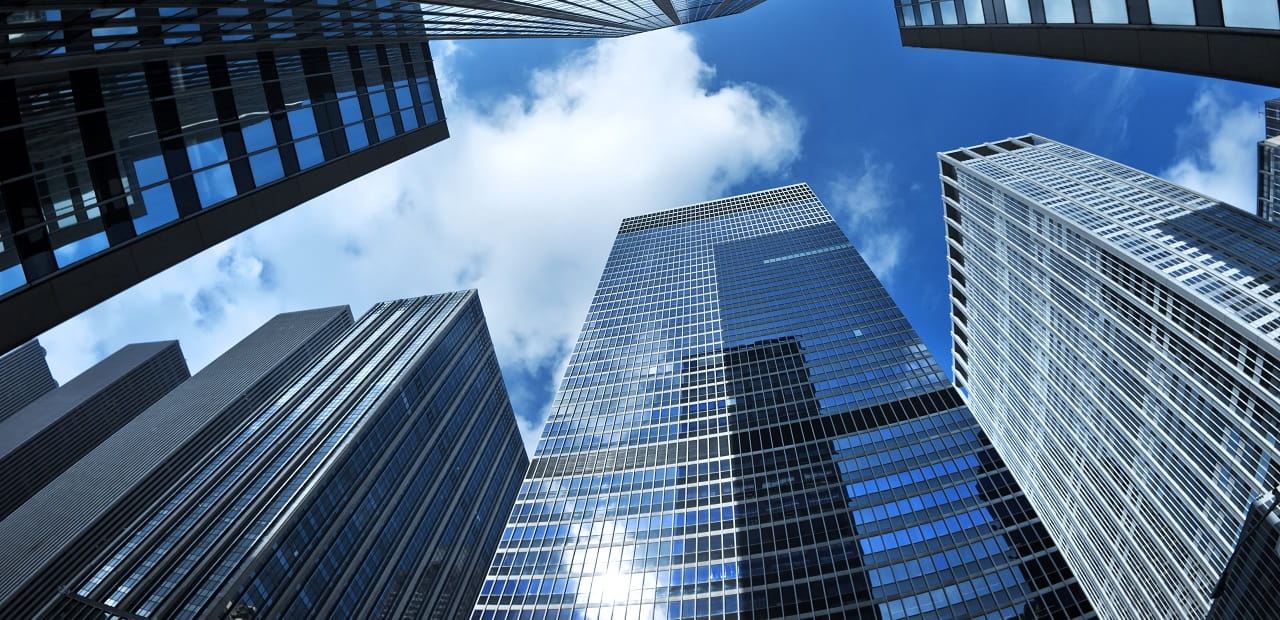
x,y
409,119
403,98
350,111
160,208
302,122
386,129
150,170
356,137
266,167
77,250
309,153
424,91
258,136
11,278
215,185
206,153
378,101
429,113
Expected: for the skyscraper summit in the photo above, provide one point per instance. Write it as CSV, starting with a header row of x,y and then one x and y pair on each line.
x,y
138,135
749,427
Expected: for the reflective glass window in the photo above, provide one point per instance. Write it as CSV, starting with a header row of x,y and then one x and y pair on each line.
x,y
1179,12
214,185
356,137
79,249
1058,12
259,135
1109,12
1018,11
926,14
973,12
309,153
302,122
159,206
948,11
266,167
1251,13
11,278
908,16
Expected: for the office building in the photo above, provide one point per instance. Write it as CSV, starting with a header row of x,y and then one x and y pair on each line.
x,y
1229,39
374,484
1117,338
44,438
749,427
1269,164
25,377
141,135
46,541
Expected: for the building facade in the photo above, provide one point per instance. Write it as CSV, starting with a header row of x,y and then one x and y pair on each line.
x,y
1116,336
25,376
1229,39
48,540
1269,164
43,439
141,135
748,427
374,484
1250,585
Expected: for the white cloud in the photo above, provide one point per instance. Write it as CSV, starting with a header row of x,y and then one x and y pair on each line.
x,y
862,204
522,202
1218,149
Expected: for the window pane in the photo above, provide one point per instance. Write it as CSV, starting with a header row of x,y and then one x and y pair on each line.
x,y
908,16
309,153
926,14
948,11
266,167
1018,11
356,137
259,136
973,12
1251,13
215,185
1109,12
1180,12
1058,12
77,250
158,202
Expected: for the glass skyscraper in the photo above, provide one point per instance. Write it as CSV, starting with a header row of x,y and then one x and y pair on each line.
x,y
1229,39
138,134
1269,164
748,427
374,484
1119,339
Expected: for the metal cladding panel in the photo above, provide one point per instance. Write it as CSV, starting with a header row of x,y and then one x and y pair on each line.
x,y
48,538
52,433
24,376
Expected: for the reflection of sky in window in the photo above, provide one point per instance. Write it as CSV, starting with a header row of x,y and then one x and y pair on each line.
x,y
158,202
302,122
1109,12
1058,12
150,170
1180,12
973,11
11,278
206,153
1251,13
266,167
77,250
215,185
258,136
1018,11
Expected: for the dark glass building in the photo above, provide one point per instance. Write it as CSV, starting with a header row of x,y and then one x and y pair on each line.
x,y
748,427
1269,165
139,135
1229,39
39,442
49,539
25,377
372,484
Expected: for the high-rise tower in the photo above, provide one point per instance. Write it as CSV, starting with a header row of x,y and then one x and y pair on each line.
x,y
138,135
749,427
1117,336
1229,39
372,484
25,376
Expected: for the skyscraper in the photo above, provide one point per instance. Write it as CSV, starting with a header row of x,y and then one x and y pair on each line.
x,y
52,433
1117,338
139,135
749,427
374,484
25,376
1269,165
45,542
1230,39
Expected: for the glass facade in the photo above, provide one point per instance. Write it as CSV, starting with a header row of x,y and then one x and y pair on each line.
x,y
1250,586
372,485
749,427
1229,39
1269,165
1119,339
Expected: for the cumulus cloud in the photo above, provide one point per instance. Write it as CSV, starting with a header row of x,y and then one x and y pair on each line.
x,y
522,202
861,203
1218,149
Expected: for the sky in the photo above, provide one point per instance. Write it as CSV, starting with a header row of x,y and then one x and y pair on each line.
x,y
553,142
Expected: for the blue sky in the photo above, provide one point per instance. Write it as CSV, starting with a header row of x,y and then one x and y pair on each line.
x,y
553,142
